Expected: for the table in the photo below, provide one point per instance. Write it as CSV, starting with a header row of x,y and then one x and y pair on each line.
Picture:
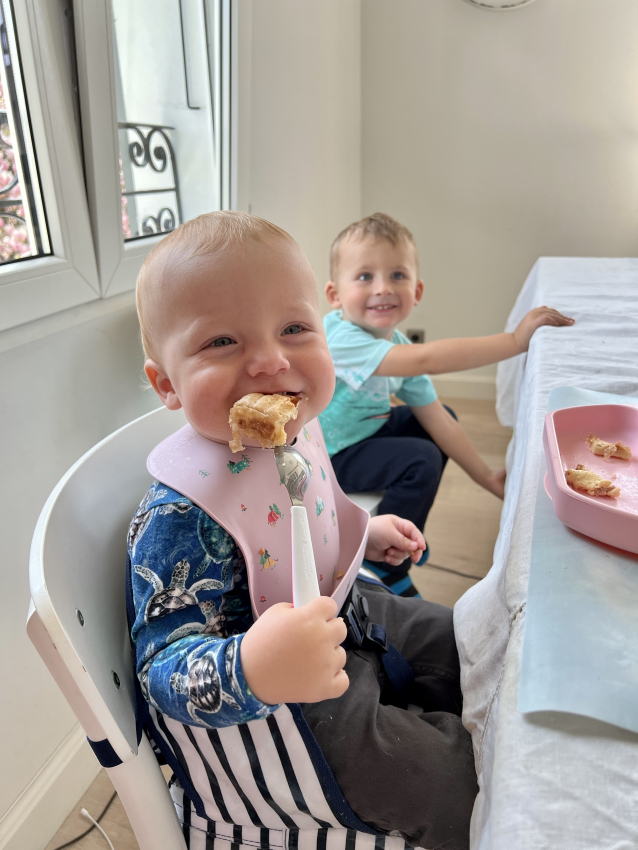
x,y
555,781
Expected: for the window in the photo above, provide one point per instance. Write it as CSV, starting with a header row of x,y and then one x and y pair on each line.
x,y
166,86
23,229
156,152
59,272
113,130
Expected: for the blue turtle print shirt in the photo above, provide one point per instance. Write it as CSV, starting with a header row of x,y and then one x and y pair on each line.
x,y
192,607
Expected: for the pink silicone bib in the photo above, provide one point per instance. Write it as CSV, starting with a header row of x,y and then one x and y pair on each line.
x,y
243,493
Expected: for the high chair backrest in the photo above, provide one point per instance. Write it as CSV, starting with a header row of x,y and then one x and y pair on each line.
x,y
78,566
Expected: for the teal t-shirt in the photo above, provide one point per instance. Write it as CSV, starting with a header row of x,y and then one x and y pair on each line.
x,y
360,405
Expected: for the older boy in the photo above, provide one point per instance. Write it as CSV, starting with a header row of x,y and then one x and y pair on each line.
x,y
374,266
227,306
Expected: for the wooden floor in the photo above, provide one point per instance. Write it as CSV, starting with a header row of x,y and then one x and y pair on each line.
x,y
461,531
114,823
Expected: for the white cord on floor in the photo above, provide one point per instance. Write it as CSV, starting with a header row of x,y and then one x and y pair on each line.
x,y
96,824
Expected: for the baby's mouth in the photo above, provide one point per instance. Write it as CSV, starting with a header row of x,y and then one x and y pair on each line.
x,y
291,393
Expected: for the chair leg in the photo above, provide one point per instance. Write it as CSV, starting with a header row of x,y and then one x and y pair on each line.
x,y
144,794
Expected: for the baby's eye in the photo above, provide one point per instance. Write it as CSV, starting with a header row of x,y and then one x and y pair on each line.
x,y
397,276
365,276
222,341
293,329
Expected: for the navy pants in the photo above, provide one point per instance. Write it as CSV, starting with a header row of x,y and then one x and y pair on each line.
x,y
404,461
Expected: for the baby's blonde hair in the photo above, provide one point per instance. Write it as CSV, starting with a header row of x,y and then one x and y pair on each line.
x,y
211,233
378,226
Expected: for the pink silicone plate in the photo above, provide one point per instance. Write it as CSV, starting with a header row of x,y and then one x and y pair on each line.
x,y
612,521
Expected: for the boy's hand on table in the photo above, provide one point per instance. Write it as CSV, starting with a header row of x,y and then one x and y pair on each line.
x,y
295,654
393,539
495,483
536,319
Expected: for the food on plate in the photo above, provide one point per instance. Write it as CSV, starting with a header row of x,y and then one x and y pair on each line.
x,y
607,450
590,482
261,417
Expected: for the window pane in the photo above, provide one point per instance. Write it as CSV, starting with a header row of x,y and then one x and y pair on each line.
x,y
23,231
166,60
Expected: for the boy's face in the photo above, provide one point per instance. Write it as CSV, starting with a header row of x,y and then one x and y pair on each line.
x,y
377,284
246,321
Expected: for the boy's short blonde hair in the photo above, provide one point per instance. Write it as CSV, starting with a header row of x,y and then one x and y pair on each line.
x,y
378,226
211,233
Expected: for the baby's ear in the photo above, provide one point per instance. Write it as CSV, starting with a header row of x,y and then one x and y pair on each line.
x,y
162,385
418,292
332,294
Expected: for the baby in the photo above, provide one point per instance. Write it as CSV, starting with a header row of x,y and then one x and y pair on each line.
x,y
228,306
401,450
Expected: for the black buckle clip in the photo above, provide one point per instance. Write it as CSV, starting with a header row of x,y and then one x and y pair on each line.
x,y
361,632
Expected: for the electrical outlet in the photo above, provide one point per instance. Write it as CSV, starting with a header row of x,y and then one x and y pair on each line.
x,y
415,335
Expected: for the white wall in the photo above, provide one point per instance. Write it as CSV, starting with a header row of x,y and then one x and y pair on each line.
x,y
305,120
68,381
496,138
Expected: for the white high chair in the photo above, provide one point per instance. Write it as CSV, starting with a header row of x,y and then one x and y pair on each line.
x,y
368,500
77,617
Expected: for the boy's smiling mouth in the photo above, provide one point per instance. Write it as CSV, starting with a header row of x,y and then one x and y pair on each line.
x,y
382,308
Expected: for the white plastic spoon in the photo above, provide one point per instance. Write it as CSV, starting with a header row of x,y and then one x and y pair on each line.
x,y
295,476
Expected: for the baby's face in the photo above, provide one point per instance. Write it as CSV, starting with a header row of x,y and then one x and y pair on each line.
x,y
377,284
243,322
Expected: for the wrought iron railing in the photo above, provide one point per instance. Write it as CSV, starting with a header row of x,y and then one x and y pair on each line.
x,y
149,146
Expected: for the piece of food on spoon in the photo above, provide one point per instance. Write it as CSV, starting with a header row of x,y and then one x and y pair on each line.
x,y
590,482
607,450
261,417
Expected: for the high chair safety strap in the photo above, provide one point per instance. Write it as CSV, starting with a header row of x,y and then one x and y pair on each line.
x,y
364,634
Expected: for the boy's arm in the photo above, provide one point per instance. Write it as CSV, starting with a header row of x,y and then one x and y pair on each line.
x,y
288,655
188,669
453,441
187,666
455,355
199,680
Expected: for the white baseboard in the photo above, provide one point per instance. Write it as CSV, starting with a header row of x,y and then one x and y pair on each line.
x,y
463,385
46,802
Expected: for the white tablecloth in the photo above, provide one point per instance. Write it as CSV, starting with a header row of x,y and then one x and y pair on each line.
x,y
555,781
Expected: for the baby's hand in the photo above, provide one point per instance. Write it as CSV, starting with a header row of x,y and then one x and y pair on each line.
x,y
393,539
294,654
536,319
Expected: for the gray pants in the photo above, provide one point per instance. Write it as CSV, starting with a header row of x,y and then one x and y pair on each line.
x,y
401,770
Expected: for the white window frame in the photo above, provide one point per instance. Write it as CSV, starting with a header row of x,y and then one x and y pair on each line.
x,y
118,261
32,289
89,260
